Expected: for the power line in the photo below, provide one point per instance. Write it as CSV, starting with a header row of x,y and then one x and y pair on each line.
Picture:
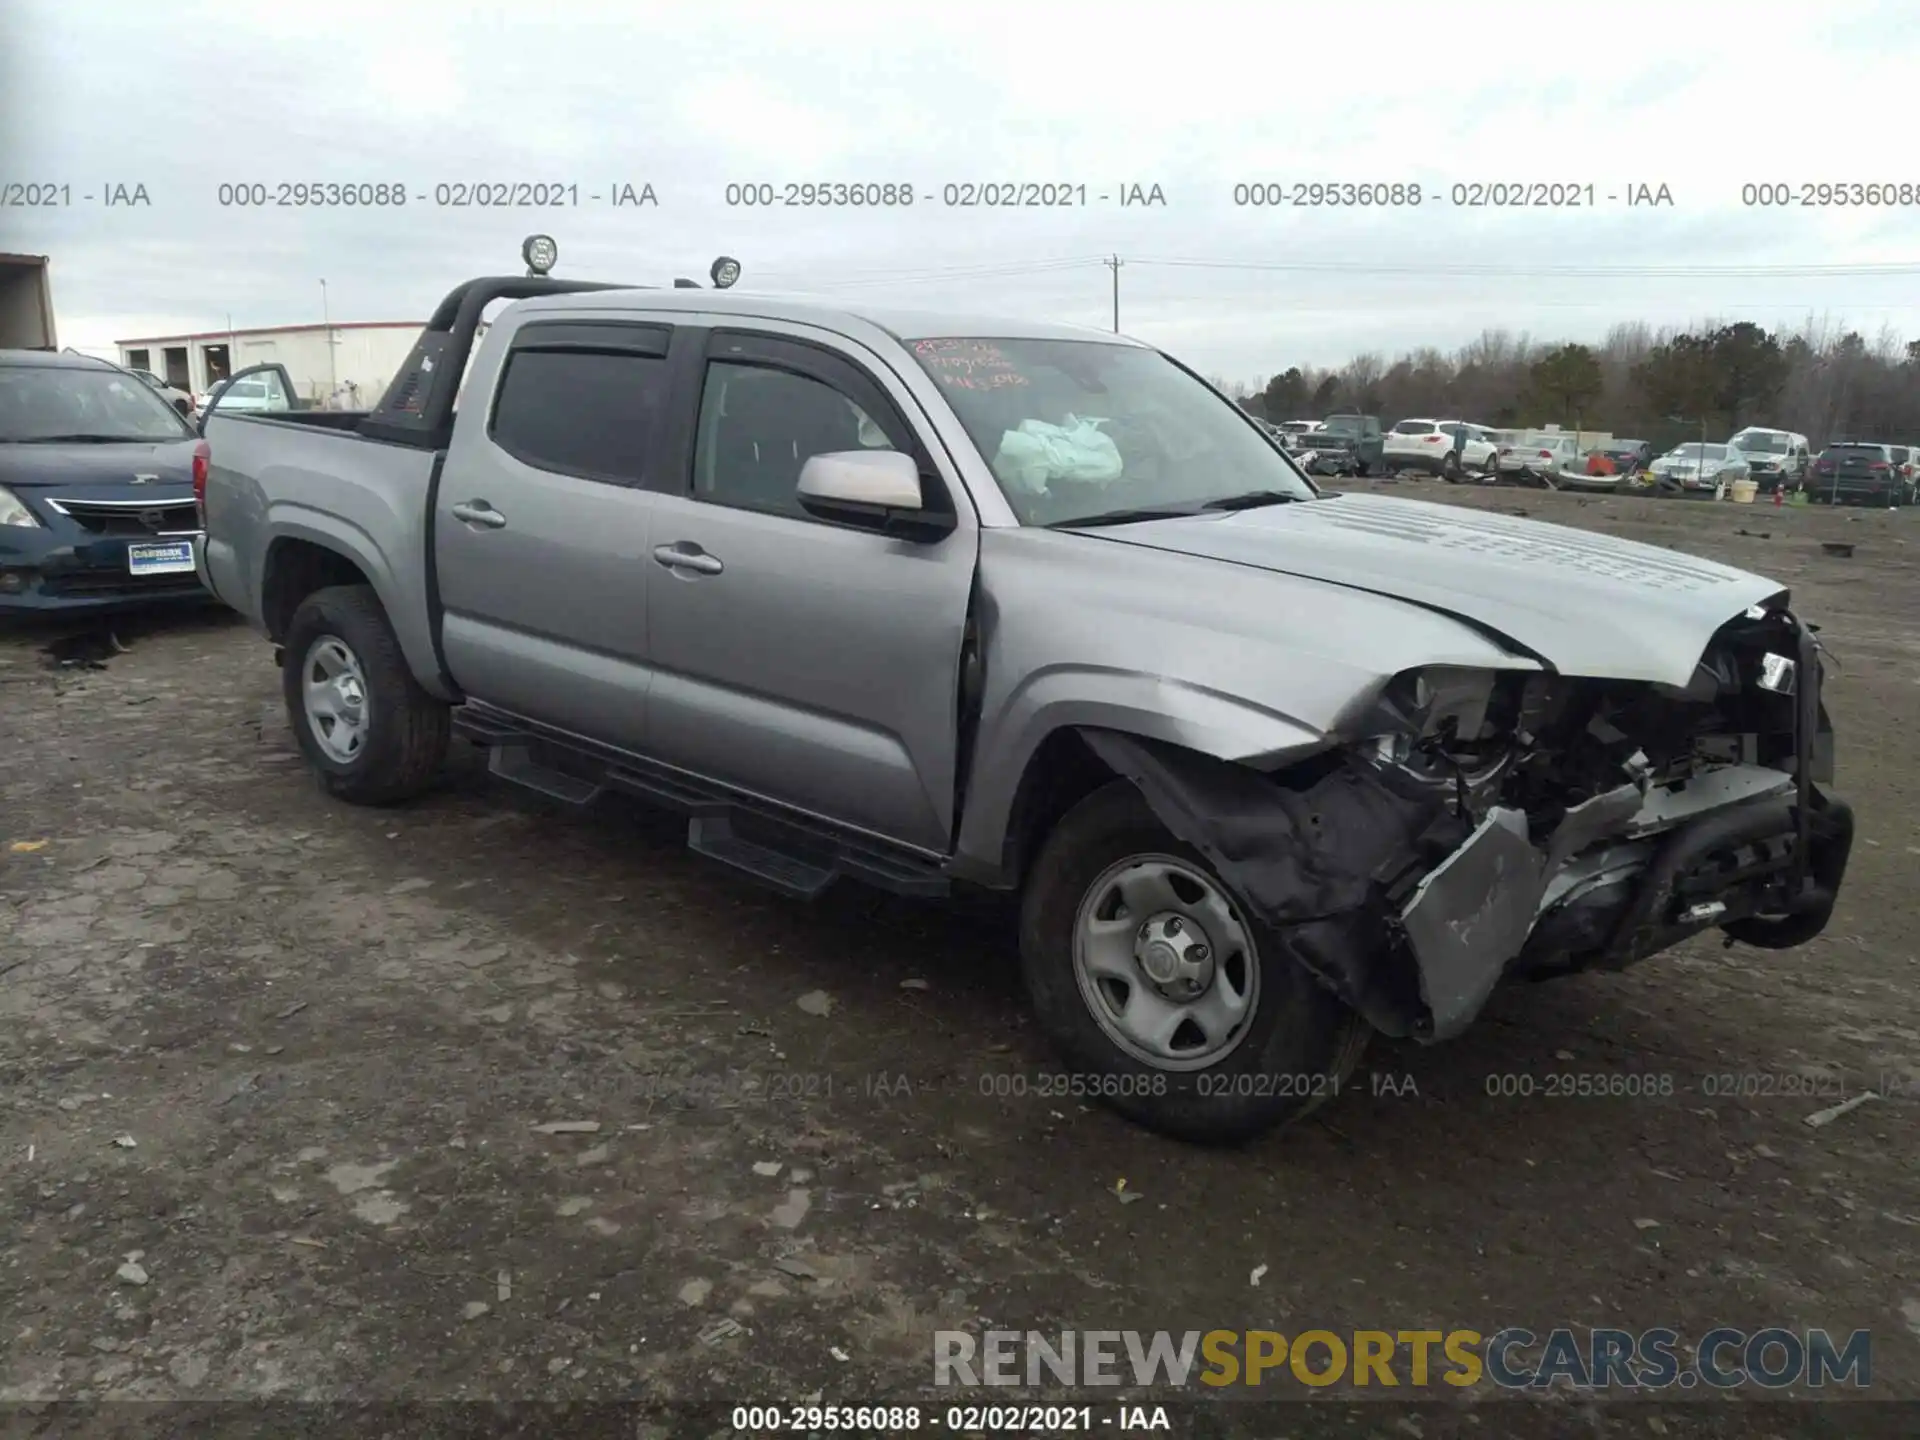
x,y
931,275
1007,272
936,274
1555,272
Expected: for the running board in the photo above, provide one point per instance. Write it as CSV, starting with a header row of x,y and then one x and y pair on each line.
x,y
714,837
516,763
789,851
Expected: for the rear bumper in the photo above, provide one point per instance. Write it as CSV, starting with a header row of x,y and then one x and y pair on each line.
x,y
1855,491
1424,461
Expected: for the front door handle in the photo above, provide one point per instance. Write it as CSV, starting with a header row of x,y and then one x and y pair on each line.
x,y
685,555
478,512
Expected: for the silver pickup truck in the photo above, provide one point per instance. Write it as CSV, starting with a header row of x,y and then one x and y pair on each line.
x,y
923,601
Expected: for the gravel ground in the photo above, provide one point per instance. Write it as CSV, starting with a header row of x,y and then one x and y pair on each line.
x,y
295,1060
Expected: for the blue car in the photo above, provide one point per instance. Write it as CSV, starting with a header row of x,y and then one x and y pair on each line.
x,y
98,477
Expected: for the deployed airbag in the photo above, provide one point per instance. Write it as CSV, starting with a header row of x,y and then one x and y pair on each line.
x,y
1036,454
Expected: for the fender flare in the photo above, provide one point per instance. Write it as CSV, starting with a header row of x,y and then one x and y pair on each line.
x,y
1150,707
293,521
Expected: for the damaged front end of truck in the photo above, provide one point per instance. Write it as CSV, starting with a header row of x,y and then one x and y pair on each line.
x,y
1477,826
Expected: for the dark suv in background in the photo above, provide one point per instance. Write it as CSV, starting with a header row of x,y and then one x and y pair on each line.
x,y
1357,440
97,485
1861,472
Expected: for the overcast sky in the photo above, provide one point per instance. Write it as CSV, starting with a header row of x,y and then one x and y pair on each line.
x,y
1195,98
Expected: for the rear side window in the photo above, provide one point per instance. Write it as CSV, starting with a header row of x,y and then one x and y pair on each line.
x,y
590,413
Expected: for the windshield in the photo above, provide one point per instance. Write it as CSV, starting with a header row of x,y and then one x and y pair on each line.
x,y
1697,451
39,403
1343,424
1762,444
1076,428
1298,427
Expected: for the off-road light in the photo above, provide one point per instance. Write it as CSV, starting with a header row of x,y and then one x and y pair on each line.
x,y
725,272
540,253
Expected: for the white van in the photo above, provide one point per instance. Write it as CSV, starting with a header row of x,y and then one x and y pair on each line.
x,y
1775,457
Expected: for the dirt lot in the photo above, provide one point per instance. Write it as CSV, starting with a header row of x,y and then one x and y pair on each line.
x,y
293,1056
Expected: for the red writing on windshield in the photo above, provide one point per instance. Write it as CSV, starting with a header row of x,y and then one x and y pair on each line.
x,y
968,364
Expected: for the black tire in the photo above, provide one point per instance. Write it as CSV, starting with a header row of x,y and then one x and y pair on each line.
x,y
1362,468
1450,468
1301,1044
407,729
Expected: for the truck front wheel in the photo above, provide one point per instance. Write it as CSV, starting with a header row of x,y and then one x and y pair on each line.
x,y
370,732
1169,1003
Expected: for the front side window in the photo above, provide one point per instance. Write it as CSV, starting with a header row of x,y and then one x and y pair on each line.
x,y
43,404
1074,429
581,412
758,428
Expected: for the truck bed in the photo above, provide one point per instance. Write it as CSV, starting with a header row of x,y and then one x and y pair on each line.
x,y
306,476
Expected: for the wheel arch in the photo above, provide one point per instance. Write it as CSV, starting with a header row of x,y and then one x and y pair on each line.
x,y
1048,766
308,551
294,567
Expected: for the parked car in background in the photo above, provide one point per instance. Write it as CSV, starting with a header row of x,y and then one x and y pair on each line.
x,y
97,476
1629,457
260,393
1776,459
1267,769
1544,462
1905,457
1859,472
180,400
1296,436
1698,469
1359,435
1596,472
1447,448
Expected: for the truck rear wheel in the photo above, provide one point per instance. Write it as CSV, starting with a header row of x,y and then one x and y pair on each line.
x,y
1167,1000
370,732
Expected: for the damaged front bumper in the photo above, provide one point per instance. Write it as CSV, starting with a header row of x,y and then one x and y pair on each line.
x,y
1758,851
1501,906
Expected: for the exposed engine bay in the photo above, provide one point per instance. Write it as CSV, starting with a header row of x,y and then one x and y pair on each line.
x,y
1483,825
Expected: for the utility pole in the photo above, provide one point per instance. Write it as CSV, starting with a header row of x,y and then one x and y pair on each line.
x,y
333,366
1114,263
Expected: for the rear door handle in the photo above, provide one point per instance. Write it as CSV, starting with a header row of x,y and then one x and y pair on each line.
x,y
685,555
478,512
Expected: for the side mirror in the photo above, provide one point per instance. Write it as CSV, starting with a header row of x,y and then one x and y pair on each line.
x,y
874,489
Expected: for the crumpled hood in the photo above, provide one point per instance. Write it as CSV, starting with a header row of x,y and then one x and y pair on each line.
x,y
1588,604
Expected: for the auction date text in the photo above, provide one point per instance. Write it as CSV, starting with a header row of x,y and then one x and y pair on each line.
x,y
956,195
60,194
1466,195
445,195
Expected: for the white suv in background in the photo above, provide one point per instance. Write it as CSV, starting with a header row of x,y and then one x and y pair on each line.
x,y
1447,448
